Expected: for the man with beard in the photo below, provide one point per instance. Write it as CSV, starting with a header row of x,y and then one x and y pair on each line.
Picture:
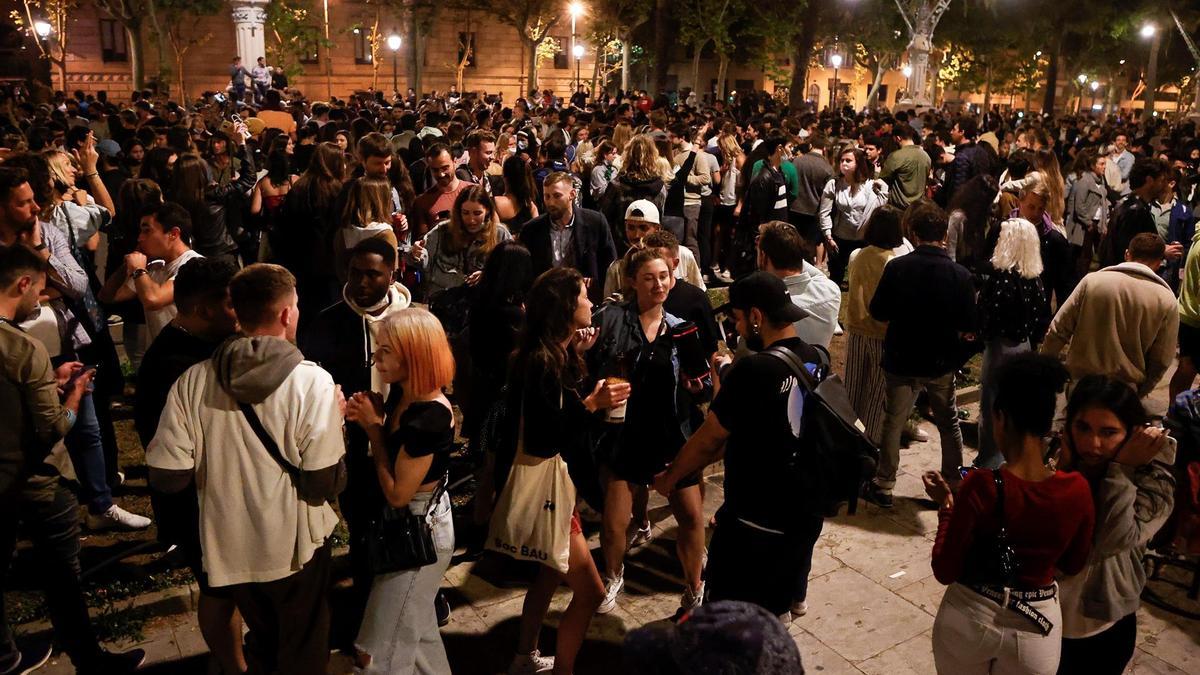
x,y
342,340
34,418
434,205
569,236
749,420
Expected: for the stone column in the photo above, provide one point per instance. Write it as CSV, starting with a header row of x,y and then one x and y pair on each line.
x,y
248,19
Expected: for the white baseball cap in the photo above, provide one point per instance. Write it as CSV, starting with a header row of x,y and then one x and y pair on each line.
x,y
643,209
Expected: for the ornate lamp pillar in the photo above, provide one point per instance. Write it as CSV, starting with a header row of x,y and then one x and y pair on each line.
x,y
248,19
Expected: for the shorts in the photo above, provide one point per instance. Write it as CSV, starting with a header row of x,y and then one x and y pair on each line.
x,y
576,523
1189,342
641,472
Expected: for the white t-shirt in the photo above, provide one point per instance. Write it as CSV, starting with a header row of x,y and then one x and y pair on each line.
x,y
157,319
253,525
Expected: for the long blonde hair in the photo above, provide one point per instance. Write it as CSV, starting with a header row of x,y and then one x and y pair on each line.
x,y
1046,164
621,136
1019,249
59,162
640,159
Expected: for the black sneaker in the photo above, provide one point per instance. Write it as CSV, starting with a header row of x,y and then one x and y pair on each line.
x,y
442,606
30,658
874,494
114,663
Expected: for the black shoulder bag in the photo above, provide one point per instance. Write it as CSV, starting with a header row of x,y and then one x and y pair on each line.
x,y
399,539
310,493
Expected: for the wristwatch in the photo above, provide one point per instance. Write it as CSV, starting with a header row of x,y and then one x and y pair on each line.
x,y
138,272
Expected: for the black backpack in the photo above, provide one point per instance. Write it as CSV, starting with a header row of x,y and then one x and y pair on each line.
x,y
832,458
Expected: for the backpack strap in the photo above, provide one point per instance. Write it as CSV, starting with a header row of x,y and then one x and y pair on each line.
x,y
269,443
793,361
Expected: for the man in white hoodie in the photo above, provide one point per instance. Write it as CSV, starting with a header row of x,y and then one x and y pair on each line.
x,y
259,430
342,340
1121,321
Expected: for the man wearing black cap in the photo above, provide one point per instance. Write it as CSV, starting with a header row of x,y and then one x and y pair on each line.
x,y
762,548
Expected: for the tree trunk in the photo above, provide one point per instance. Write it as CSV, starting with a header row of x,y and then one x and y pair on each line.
x,y
1151,77
625,63
1052,71
722,72
137,57
663,40
696,66
416,54
532,82
802,46
179,74
918,59
600,50
987,90
873,95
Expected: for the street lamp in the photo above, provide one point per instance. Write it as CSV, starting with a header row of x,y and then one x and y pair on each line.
x,y
1095,85
578,51
393,43
1148,30
43,29
836,60
907,70
575,9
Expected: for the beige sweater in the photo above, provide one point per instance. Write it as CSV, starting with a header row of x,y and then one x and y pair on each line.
x,y
1127,321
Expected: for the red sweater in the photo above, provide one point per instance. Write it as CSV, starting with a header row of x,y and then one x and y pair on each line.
x,y
1049,526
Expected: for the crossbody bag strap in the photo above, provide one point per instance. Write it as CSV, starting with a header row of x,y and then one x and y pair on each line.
x,y
797,366
269,443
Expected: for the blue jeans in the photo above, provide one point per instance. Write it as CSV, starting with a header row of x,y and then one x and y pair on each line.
x,y
399,628
51,520
87,455
994,353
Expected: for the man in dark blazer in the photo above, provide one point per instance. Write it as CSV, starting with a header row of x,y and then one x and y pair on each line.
x,y
569,236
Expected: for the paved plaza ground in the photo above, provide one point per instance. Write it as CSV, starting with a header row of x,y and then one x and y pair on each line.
x,y
872,600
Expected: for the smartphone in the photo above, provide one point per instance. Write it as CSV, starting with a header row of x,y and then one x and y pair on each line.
x,y
220,98
78,374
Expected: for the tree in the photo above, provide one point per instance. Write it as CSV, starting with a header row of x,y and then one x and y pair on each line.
x,y
1185,32
291,35
879,46
921,17
709,21
617,20
182,34
130,14
533,21
466,51
56,13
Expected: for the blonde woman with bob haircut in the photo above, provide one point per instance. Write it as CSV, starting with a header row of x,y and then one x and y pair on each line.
x,y
1013,316
411,436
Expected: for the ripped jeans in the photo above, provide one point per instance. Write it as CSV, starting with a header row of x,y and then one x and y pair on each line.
x,y
399,628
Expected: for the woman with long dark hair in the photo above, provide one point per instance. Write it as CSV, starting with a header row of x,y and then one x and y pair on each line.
x,y
267,199
304,238
547,396
516,206
1002,535
213,208
1128,466
454,251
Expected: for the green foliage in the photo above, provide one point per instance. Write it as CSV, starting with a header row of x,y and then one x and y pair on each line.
x,y
292,33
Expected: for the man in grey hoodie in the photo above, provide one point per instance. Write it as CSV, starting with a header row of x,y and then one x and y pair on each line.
x,y
265,516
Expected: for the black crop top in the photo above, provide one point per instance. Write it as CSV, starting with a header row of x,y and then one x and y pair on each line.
x,y
425,428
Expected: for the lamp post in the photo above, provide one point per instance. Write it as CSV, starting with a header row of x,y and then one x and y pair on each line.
x,y
393,43
1094,86
1082,79
836,60
1150,32
575,9
578,51
907,70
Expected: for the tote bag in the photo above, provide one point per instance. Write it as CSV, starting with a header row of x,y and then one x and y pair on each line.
x,y
532,518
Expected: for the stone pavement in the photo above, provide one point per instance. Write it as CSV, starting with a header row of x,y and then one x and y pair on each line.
x,y
872,600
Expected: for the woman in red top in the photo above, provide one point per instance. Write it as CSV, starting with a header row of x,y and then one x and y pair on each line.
x,y
1006,618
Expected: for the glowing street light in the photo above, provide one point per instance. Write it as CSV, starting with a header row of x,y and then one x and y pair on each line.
x,y
575,9
1148,30
43,29
1082,79
1095,85
1037,54
836,60
393,43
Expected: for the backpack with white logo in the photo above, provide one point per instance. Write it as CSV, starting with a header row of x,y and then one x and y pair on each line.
x,y
831,458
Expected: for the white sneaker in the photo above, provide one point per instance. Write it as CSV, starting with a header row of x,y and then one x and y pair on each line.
x,y
799,608
612,586
528,664
640,536
837,329
117,518
691,599
722,275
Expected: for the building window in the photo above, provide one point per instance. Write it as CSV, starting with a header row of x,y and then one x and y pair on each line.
x,y
465,41
311,52
113,47
362,47
562,60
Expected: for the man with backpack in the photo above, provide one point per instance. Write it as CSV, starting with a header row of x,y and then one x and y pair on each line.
x,y
761,551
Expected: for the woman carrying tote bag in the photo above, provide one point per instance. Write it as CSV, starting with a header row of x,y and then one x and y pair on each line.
x,y
411,435
535,517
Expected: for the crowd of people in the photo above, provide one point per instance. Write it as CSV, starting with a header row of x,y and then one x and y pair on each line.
x,y
326,303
